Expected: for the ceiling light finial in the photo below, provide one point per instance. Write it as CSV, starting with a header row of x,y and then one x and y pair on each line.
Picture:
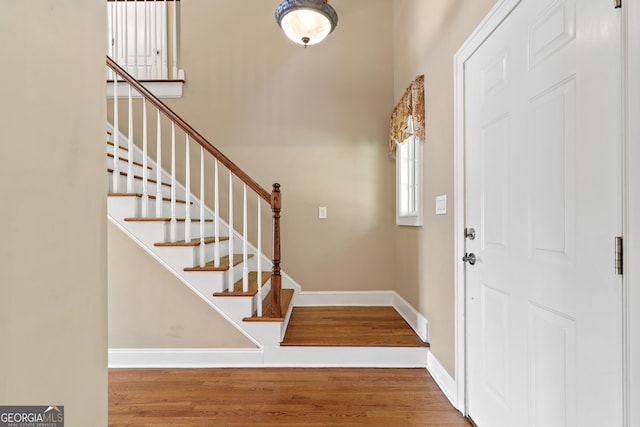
x,y
306,22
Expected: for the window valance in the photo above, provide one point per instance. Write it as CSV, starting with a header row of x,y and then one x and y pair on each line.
x,y
411,104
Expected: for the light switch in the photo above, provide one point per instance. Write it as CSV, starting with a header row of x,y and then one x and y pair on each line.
x,y
322,212
441,205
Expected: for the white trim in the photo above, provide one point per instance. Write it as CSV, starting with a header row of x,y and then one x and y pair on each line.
x,y
163,90
440,375
414,318
273,356
497,14
184,357
338,298
631,210
367,298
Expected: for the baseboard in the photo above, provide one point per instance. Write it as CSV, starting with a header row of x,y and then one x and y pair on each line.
x,y
338,298
303,357
185,357
367,298
440,375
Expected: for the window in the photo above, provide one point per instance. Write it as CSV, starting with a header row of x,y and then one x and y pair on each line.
x,y
409,179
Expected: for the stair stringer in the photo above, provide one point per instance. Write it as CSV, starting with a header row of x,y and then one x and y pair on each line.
x,y
232,309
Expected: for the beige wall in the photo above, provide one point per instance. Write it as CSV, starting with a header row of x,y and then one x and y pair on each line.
x,y
53,283
151,308
315,120
427,35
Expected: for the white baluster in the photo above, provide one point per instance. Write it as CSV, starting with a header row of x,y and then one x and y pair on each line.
x,y
231,233
135,41
125,36
155,39
259,260
116,139
245,251
145,183
202,244
114,33
175,40
174,223
187,217
158,167
216,217
110,35
146,40
130,155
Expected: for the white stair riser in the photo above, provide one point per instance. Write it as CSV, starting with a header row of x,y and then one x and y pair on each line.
x,y
189,256
123,166
206,282
152,187
236,304
137,156
150,232
131,207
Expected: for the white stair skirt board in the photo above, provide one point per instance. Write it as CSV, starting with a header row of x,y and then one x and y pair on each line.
x,y
367,298
446,383
271,356
234,318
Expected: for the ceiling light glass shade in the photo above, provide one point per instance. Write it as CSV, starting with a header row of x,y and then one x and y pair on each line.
x,y
306,22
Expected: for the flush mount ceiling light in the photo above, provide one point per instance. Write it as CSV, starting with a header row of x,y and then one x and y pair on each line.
x,y
306,22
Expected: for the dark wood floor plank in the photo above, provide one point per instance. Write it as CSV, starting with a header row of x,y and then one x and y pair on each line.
x,y
275,397
349,326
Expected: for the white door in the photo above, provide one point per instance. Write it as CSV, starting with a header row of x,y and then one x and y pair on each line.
x,y
543,193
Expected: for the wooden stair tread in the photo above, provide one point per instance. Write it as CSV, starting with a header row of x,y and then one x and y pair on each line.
x,y
349,326
286,295
151,197
164,219
192,242
253,286
224,264
127,160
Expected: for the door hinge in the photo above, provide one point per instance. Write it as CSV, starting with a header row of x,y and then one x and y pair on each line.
x,y
617,3
619,255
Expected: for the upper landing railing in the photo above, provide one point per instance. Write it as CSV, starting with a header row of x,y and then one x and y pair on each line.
x,y
165,119
144,37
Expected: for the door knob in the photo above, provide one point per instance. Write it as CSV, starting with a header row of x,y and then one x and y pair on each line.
x,y
470,258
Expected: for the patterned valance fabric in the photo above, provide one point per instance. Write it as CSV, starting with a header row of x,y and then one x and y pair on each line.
x,y
411,104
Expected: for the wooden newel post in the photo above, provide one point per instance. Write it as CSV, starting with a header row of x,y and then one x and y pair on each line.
x,y
276,278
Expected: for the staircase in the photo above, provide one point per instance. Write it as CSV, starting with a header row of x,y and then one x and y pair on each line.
x,y
213,241
220,286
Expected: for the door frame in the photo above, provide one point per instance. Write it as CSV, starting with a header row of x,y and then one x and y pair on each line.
x,y
630,44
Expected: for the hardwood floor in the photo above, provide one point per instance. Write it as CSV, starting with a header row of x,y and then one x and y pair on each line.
x,y
349,326
275,397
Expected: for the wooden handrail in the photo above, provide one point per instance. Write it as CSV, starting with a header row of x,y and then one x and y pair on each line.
x,y
193,134
274,198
